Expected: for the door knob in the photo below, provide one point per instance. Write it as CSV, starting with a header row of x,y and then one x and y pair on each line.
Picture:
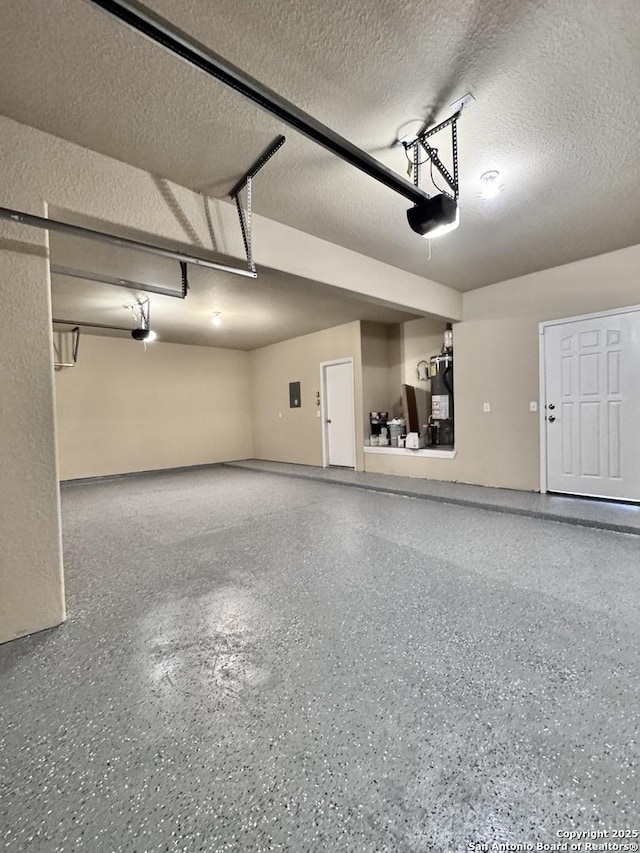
x,y
552,418
552,405
328,420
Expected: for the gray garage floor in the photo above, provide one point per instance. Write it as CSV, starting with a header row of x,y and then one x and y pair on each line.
x,y
257,663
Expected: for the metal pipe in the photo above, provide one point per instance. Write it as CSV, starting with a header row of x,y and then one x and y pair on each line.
x,y
88,233
164,33
70,272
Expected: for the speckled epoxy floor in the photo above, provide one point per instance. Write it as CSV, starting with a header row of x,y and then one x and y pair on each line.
x,y
255,663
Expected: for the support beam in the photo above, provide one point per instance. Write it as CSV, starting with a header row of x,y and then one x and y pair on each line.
x,y
182,45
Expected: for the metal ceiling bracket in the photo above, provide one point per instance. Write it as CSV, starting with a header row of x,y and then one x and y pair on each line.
x,y
430,131
262,160
185,279
432,154
247,181
141,311
437,162
179,43
74,352
245,224
23,218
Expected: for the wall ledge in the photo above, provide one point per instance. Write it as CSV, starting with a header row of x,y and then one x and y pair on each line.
x,y
404,451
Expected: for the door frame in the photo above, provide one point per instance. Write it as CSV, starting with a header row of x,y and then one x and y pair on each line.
x,y
612,312
323,408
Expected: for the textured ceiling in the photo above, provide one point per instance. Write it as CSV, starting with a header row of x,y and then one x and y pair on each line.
x,y
557,113
255,312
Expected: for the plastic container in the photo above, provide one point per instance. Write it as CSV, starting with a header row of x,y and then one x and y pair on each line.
x,y
396,429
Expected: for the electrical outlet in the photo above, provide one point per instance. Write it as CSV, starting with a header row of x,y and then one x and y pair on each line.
x,y
279,414
318,414
533,406
486,407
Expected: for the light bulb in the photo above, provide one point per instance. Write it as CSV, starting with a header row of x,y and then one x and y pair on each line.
x,y
152,336
216,319
444,229
490,186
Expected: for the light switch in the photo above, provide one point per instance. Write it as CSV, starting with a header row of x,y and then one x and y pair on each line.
x,y
318,414
533,406
486,407
279,414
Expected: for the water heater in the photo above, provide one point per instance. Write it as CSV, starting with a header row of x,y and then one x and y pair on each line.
x,y
441,376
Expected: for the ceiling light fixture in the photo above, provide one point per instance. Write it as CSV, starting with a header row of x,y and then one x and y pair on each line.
x,y
490,186
217,318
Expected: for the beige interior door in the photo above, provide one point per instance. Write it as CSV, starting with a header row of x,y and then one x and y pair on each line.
x,y
340,414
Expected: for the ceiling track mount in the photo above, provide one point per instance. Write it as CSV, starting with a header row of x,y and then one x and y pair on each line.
x,y
420,142
247,181
262,160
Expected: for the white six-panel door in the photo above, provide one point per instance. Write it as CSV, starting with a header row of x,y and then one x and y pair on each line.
x,y
339,411
592,414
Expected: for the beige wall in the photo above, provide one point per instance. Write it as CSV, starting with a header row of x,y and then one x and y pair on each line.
x,y
31,581
282,434
380,388
496,361
420,339
396,371
122,409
